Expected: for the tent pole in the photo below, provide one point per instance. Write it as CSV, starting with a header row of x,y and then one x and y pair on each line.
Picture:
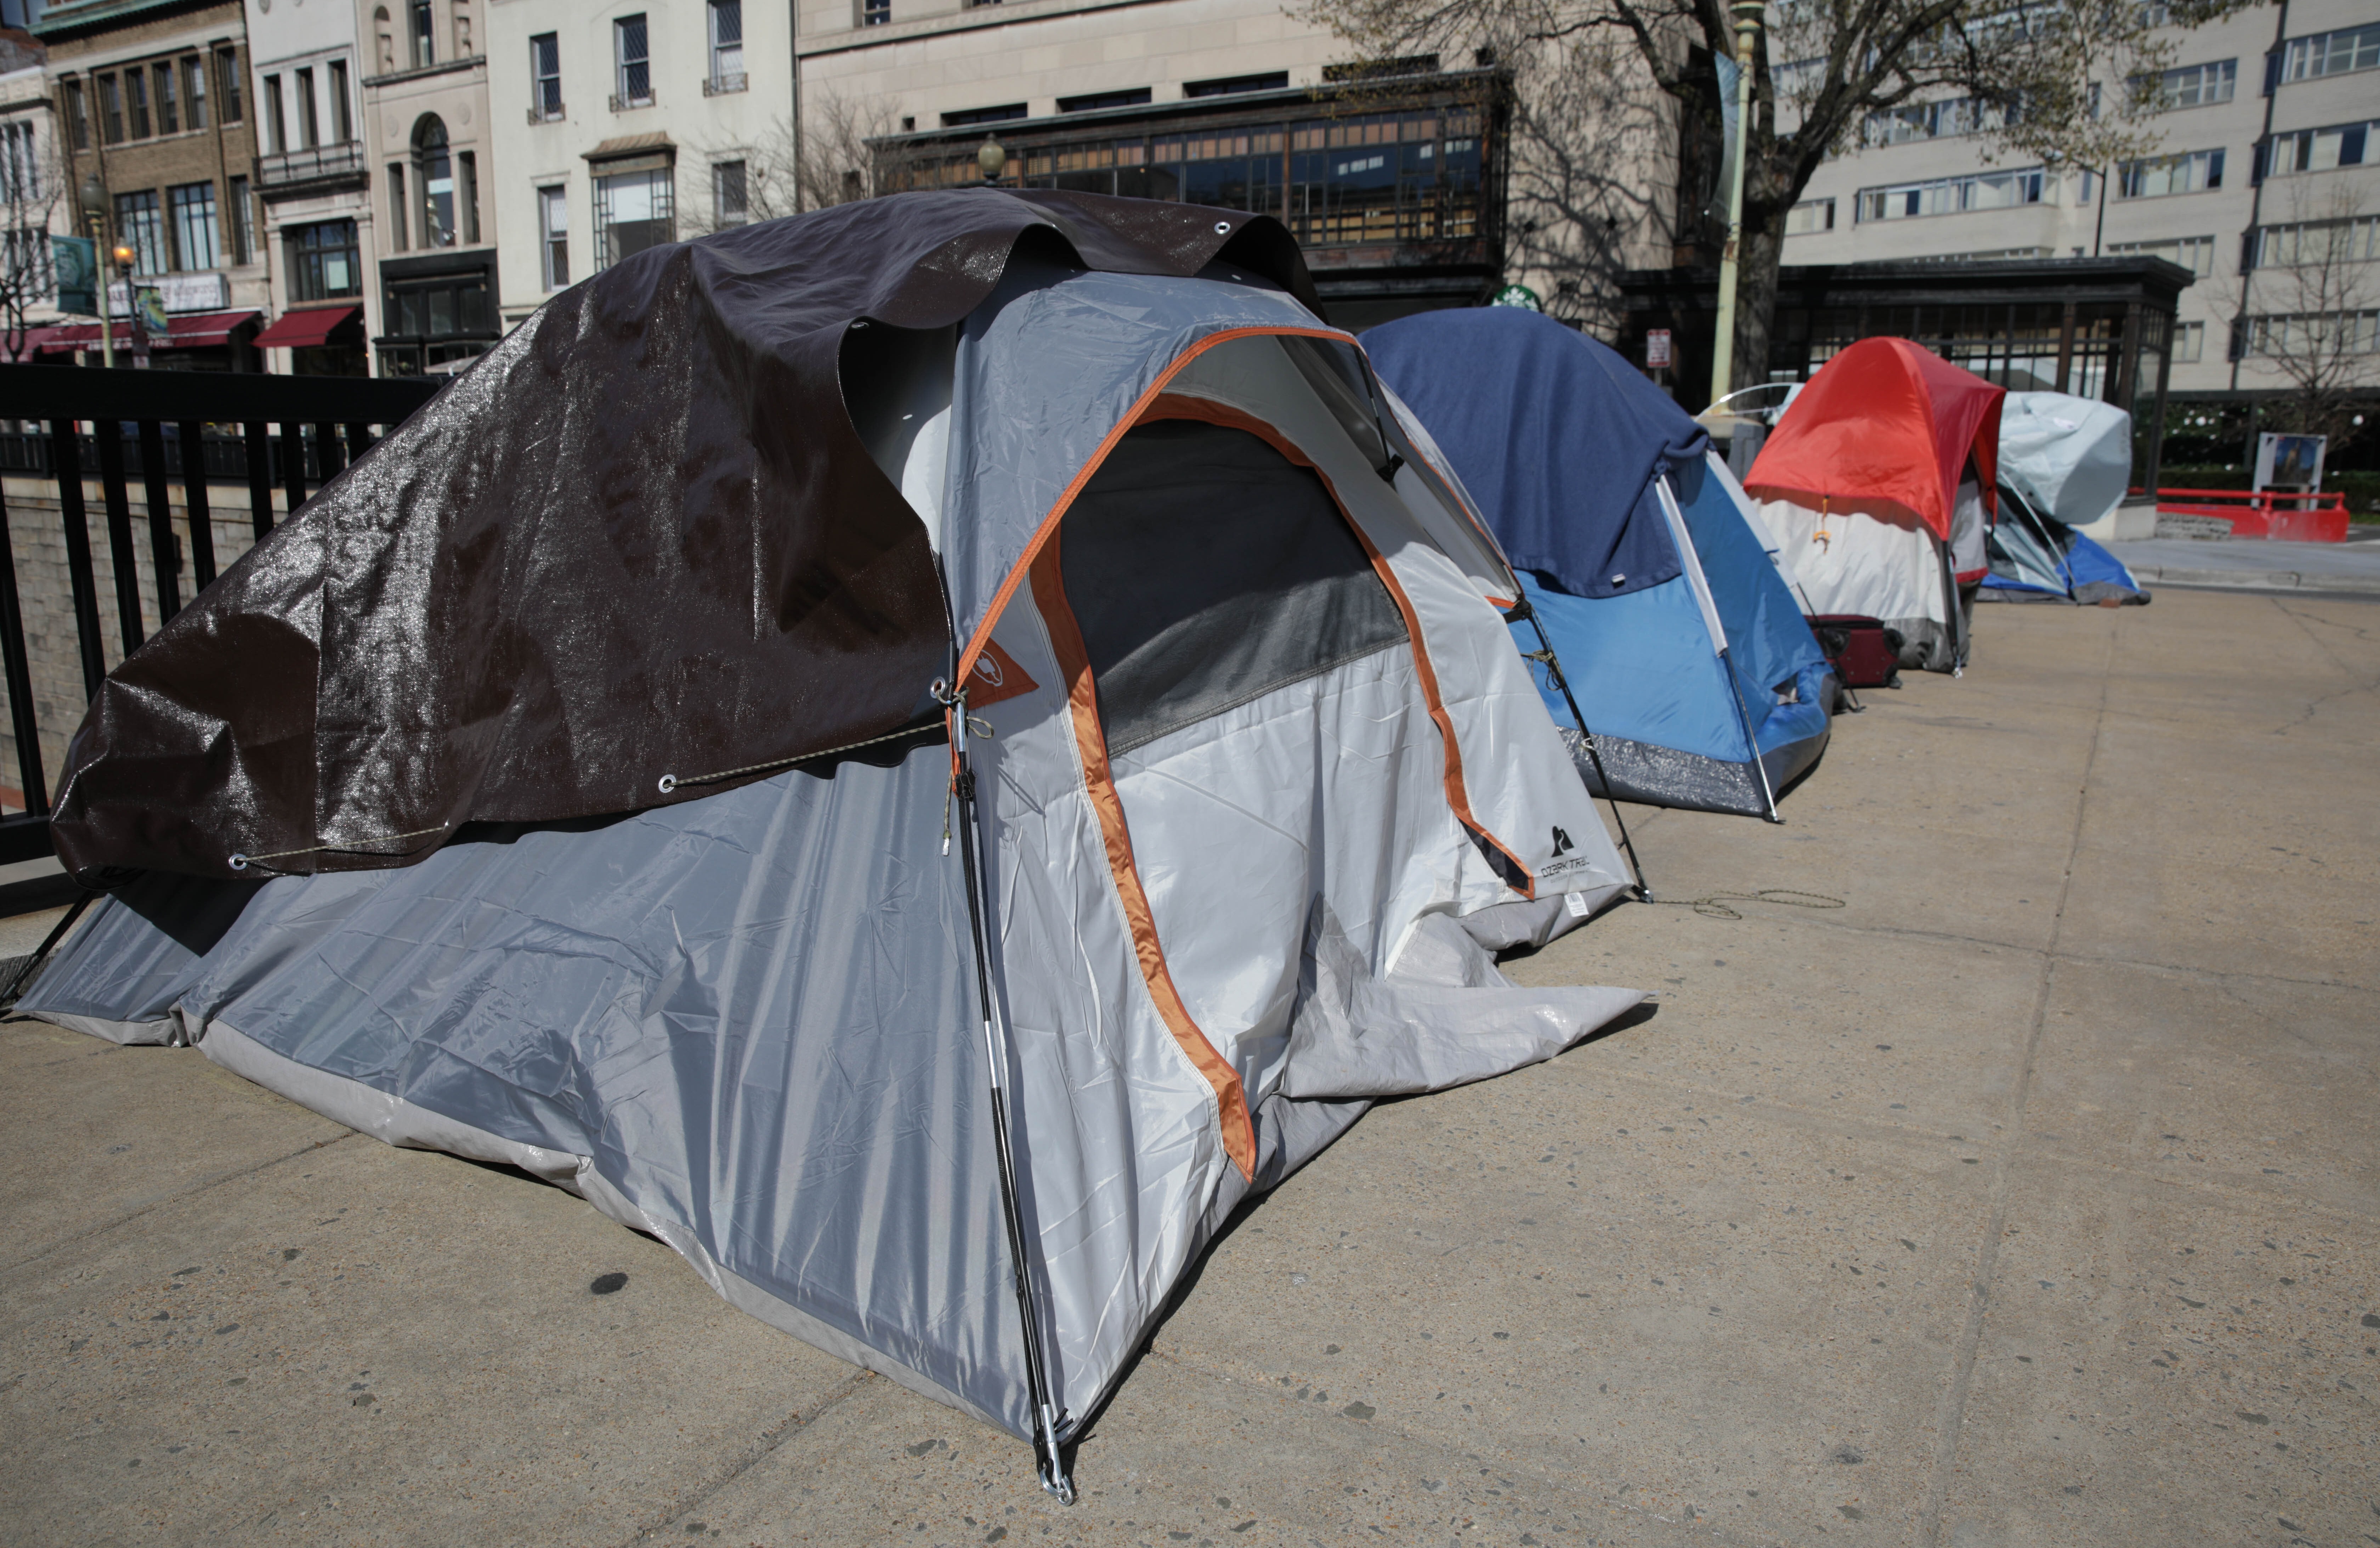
x,y
1052,1460
1751,737
1521,609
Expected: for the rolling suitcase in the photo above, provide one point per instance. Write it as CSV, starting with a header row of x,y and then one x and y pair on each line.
x,y
1865,653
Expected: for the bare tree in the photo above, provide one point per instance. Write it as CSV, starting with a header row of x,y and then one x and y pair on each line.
x,y
1578,197
2070,82
33,181
830,162
2308,306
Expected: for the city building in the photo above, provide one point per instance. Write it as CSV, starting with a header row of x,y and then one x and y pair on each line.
x,y
151,98
35,199
314,180
429,155
1391,175
2271,156
622,126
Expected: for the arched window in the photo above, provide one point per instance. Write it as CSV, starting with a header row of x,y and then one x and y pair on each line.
x,y
434,176
381,25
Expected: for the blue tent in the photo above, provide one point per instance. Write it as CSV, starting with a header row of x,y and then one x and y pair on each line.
x,y
1700,682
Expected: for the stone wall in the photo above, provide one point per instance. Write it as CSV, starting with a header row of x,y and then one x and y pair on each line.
x,y
36,544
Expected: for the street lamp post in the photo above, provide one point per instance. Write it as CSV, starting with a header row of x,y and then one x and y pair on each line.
x,y
92,197
124,256
991,159
1747,32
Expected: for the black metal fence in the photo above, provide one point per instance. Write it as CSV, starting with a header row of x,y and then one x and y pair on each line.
x,y
118,426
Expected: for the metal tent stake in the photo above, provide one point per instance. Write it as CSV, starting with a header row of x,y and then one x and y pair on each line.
x,y
1521,609
1047,1454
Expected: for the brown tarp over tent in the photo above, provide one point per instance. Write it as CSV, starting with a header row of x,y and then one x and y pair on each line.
x,y
641,536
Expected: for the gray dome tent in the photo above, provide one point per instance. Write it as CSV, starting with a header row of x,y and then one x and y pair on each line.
x,y
946,1055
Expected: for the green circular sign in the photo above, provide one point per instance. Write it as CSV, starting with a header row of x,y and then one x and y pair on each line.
x,y
1518,296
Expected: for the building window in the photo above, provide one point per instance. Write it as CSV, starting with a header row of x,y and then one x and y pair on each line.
x,y
323,264
553,235
632,71
276,131
2189,343
20,163
169,115
726,47
1810,216
1277,82
343,123
140,227
77,116
633,211
972,116
727,195
2355,240
1933,120
467,193
197,242
1950,196
194,90
398,240
440,308
435,168
2195,253
26,254
2197,85
2192,172
2357,48
111,110
243,222
2315,333
875,13
2316,150
227,76
136,102
425,47
544,78
1093,101
310,122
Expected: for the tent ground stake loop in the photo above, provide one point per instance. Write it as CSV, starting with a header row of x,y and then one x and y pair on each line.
x,y
1523,610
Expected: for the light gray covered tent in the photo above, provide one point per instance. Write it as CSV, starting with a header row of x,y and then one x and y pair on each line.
x,y
1252,788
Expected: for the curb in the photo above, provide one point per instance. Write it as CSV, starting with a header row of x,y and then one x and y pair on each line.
x,y
2260,580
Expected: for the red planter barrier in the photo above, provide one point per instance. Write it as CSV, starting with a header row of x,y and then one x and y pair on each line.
x,y
2318,517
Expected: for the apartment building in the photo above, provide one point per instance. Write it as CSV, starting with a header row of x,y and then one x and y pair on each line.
x,y
314,180
152,96
430,153
623,126
2271,154
1392,179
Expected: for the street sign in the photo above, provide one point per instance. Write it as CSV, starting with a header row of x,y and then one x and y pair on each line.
x,y
1657,348
1517,296
75,261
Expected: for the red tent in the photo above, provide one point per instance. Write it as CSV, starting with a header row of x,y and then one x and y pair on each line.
x,y
1886,426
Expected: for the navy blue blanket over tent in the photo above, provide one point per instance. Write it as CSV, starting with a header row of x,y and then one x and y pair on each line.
x,y
1698,679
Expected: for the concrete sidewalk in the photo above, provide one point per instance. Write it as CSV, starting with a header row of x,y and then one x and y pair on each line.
x,y
2256,565
2032,1195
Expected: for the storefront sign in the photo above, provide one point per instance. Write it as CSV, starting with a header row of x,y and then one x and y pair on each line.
x,y
1517,296
1657,348
181,293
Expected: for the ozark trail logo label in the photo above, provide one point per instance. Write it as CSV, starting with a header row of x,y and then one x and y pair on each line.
x,y
1561,842
996,676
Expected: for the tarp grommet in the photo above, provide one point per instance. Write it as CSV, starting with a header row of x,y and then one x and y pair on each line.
x,y
1222,228
668,784
239,862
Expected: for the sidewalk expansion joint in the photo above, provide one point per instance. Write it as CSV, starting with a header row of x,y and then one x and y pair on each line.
x,y
787,1429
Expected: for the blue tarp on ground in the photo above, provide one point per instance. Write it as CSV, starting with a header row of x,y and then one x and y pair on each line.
x,y
1565,447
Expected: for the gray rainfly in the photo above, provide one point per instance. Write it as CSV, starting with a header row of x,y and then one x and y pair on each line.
x,y
950,1057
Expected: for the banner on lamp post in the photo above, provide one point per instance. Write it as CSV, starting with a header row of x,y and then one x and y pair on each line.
x,y
74,261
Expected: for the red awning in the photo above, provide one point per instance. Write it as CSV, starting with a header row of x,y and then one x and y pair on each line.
x,y
303,329
191,329
195,329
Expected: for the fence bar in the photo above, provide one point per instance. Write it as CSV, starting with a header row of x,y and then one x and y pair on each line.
x,y
259,478
194,493
292,463
19,674
359,440
164,557
109,434
326,452
66,455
